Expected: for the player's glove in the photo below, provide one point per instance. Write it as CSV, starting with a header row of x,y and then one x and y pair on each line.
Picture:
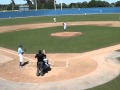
x,y
24,50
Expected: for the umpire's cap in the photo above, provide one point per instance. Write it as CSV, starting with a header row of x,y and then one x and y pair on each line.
x,y
39,51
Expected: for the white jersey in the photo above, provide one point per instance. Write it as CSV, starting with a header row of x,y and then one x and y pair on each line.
x,y
54,19
65,25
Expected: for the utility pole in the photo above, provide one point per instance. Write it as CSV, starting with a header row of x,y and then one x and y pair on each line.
x,y
61,4
12,2
36,4
55,4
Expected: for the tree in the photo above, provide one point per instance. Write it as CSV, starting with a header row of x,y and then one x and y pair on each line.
x,y
92,3
58,5
71,5
112,4
31,6
29,2
44,4
49,4
105,4
117,4
95,3
84,4
0,7
79,5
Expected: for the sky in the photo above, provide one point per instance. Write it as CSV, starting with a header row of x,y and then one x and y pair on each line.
x,y
57,1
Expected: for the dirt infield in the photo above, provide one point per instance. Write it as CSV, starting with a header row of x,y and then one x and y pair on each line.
x,y
65,66
44,25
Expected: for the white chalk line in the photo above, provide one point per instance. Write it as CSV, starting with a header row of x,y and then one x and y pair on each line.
x,y
90,53
17,55
25,57
67,60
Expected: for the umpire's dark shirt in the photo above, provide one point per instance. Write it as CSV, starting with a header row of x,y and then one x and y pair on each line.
x,y
39,57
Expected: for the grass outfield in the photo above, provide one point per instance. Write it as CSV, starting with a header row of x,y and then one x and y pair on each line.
x,y
67,18
93,37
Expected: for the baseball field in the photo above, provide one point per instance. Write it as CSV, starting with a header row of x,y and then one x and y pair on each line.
x,y
86,51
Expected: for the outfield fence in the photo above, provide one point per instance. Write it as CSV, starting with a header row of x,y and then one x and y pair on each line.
x,y
17,14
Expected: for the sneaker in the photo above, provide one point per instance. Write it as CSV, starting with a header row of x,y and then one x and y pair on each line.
x,y
20,66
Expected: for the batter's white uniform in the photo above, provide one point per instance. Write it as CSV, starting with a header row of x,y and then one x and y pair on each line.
x,y
20,52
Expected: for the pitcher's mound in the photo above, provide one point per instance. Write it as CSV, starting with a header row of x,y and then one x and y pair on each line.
x,y
66,34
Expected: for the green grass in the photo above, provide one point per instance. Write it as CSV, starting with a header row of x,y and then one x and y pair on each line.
x,y
112,85
67,18
93,37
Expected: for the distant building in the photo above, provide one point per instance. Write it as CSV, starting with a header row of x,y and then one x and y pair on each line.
x,y
23,8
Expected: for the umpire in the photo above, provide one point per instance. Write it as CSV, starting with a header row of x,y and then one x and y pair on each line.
x,y
40,63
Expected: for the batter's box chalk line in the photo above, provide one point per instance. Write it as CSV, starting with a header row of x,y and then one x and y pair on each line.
x,y
67,61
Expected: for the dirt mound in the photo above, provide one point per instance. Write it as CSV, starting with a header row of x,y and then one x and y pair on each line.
x,y
66,34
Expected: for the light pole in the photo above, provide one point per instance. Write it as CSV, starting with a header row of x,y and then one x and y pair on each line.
x,y
61,4
55,4
12,1
36,4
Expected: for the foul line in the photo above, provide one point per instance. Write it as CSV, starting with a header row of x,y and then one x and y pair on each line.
x,y
17,55
67,60
32,60
85,54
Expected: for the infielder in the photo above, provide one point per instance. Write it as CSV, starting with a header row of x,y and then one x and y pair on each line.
x,y
54,19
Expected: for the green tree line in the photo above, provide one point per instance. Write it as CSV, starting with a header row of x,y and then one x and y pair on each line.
x,y
50,4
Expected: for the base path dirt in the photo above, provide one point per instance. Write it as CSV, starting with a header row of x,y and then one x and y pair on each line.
x,y
44,25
